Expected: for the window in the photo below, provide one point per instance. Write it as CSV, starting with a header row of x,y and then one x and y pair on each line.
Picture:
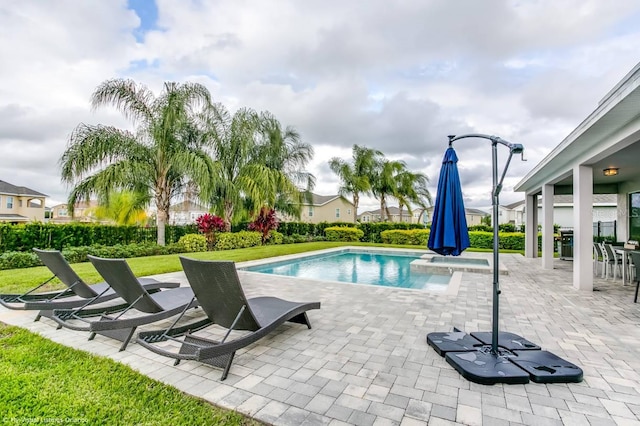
x,y
348,211
310,211
634,216
9,202
337,212
62,212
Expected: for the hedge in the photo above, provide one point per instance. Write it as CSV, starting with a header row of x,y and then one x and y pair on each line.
x,y
14,260
418,237
343,233
24,237
234,240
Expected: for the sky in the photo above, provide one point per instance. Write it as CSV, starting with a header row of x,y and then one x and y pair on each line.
x,y
394,76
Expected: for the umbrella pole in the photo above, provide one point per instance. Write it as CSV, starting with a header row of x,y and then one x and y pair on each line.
x,y
496,272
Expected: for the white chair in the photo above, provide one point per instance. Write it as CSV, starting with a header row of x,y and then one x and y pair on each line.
x,y
598,258
611,261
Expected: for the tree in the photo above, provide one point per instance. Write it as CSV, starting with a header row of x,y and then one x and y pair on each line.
x,y
166,149
123,208
411,188
256,163
355,177
383,184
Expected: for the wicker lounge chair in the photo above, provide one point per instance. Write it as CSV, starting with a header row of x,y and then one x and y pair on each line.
x,y
220,295
77,293
155,307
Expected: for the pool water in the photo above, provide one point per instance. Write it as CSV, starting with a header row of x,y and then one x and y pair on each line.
x,y
388,270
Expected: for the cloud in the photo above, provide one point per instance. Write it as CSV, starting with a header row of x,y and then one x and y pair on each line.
x,y
396,78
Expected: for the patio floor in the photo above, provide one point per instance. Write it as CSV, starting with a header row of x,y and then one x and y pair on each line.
x,y
366,360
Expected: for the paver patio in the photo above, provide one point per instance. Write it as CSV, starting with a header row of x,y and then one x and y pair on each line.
x,y
366,360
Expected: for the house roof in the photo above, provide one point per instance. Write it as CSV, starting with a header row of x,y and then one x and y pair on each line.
x,y
11,189
597,199
319,200
13,217
392,210
188,206
514,205
596,142
476,212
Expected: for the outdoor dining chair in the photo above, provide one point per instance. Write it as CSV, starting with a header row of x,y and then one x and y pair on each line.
x,y
141,306
221,297
613,262
77,292
598,259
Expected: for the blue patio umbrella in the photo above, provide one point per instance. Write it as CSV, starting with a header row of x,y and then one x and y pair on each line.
x,y
449,234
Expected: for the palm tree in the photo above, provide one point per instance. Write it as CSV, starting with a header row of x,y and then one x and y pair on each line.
x,y
384,183
256,163
282,151
166,149
411,188
356,177
123,208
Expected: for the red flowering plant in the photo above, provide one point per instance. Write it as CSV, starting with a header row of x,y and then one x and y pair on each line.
x,y
265,222
209,224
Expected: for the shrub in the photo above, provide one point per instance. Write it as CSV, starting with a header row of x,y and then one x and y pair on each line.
x,y
208,225
234,240
264,223
402,236
343,233
193,242
274,237
17,259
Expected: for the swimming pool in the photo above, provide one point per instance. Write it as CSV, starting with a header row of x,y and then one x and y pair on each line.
x,y
358,267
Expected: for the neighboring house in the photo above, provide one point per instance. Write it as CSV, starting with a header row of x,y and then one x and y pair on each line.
x,y
324,208
19,204
473,216
186,213
511,213
82,212
605,209
394,212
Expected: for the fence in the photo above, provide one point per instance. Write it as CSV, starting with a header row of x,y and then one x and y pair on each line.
x,y
605,230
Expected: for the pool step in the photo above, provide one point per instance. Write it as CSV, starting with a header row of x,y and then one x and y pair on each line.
x,y
426,265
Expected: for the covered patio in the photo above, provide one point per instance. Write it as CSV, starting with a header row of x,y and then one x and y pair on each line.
x,y
601,156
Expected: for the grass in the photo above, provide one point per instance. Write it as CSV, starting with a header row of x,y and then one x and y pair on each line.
x,y
45,382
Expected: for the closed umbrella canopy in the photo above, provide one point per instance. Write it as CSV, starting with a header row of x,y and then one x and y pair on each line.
x,y
449,234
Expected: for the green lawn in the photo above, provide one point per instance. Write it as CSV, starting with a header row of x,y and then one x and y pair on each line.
x,y
43,382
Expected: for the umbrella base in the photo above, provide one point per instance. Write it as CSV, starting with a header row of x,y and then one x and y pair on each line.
x,y
472,357
484,367
455,341
545,367
508,341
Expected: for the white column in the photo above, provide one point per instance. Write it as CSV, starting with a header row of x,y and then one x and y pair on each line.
x,y
547,226
622,216
531,225
583,228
